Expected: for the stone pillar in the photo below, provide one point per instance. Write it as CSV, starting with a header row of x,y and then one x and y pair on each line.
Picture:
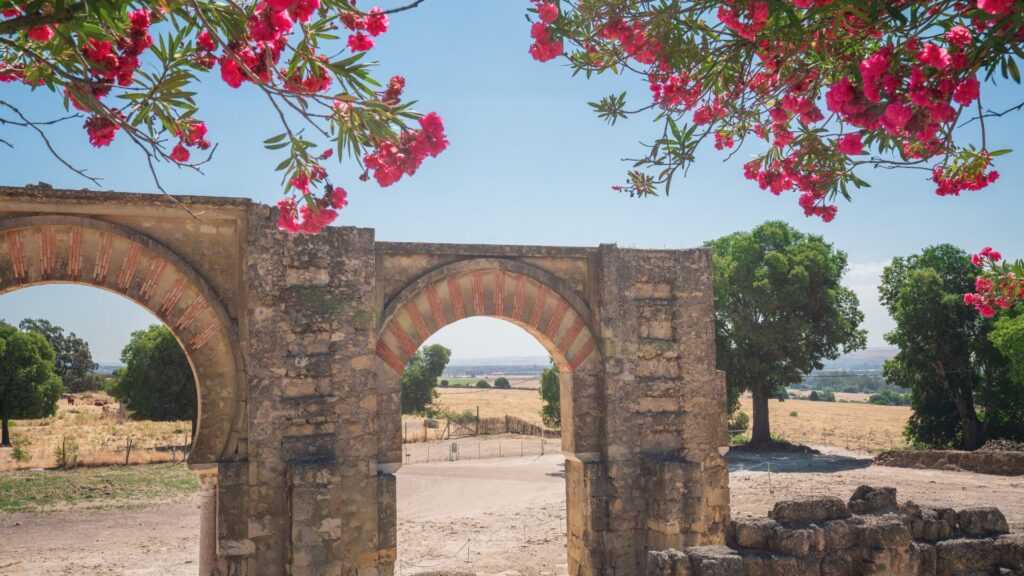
x,y
667,483
312,406
207,522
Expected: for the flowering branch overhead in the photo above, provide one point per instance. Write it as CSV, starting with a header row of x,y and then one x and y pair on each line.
x,y
827,85
132,69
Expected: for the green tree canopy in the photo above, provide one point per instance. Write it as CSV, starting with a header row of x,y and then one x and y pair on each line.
x,y
29,387
157,382
502,382
961,385
73,362
779,311
551,394
420,377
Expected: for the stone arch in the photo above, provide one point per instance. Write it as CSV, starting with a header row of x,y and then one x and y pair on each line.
x,y
543,305
525,295
39,250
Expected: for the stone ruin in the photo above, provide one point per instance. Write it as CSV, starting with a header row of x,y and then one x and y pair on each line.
x,y
871,534
298,344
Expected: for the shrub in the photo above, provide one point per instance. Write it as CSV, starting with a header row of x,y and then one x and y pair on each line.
x,y
444,383
19,450
739,422
794,413
482,384
502,382
66,453
825,395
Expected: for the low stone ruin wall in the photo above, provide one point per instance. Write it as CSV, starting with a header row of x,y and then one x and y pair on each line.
x,y
871,534
1002,463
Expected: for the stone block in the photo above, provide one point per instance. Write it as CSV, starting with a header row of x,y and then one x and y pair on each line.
x,y
982,521
1009,550
871,500
817,510
838,535
929,523
714,561
756,534
669,562
963,556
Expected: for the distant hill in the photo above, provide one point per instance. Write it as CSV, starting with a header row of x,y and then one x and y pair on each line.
x,y
500,361
867,360
106,368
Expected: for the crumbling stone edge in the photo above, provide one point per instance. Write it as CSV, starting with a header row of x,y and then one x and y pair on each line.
x,y
870,534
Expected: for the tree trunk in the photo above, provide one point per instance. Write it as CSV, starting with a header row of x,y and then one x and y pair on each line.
x,y
6,442
974,436
762,431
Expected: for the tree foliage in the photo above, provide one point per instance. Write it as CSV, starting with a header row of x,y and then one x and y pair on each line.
x,y
157,382
29,387
961,385
551,395
502,382
73,362
136,70
820,90
779,311
420,377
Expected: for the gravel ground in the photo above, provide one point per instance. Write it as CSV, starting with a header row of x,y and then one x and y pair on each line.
x,y
492,516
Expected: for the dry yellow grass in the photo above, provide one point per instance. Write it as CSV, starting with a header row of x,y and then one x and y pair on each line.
x,y
99,434
493,402
867,427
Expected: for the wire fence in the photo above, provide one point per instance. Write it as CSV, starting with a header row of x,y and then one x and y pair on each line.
x,y
479,447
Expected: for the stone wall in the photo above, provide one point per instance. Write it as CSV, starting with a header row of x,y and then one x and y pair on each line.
x,y
1001,462
871,534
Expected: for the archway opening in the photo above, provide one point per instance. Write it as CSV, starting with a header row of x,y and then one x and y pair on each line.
x,y
482,487
554,314
109,451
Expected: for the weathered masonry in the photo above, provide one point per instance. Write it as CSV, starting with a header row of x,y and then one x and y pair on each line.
x,y
298,343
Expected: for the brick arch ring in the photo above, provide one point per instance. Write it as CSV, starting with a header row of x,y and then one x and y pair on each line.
x,y
530,297
38,250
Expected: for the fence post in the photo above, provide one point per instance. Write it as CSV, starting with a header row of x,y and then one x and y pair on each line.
x,y
127,450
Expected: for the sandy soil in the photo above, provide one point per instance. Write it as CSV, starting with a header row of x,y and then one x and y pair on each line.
x,y
488,516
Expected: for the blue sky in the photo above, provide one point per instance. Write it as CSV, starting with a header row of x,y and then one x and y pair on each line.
x,y
529,163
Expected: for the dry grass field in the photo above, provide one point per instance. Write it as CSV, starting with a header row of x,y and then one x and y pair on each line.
x,y
522,402
866,427
99,433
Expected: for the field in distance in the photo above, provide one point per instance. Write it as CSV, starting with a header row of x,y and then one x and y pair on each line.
x,y
96,427
520,402
523,382
866,427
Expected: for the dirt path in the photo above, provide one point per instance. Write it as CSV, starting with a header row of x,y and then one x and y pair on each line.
x,y
158,541
487,516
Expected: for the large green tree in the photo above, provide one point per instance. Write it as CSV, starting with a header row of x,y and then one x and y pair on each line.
x,y
73,362
1007,394
960,381
420,377
551,394
779,311
29,388
157,382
